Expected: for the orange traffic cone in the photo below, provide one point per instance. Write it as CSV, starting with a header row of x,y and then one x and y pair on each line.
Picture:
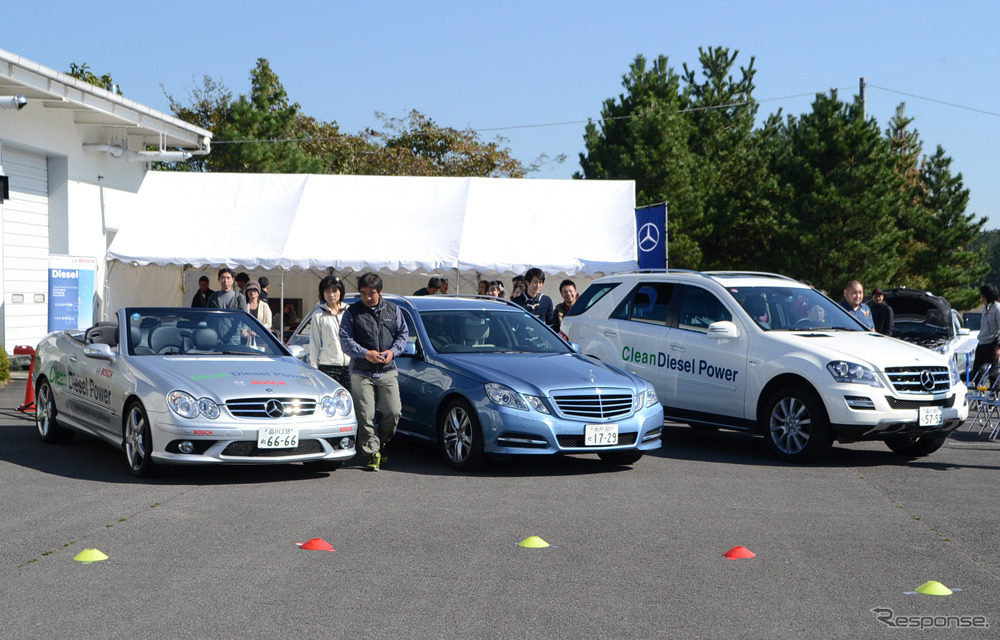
x,y
29,392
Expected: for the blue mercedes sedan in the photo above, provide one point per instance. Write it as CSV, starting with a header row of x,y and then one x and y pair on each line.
x,y
482,377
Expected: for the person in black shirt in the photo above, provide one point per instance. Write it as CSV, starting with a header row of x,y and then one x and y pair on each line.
x,y
203,294
882,314
532,299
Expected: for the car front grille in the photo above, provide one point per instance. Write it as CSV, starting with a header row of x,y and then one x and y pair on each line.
x,y
594,406
271,408
573,442
911,379
249,449
896,403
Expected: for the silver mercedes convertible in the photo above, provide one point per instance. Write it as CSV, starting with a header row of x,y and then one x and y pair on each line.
x,y
191,386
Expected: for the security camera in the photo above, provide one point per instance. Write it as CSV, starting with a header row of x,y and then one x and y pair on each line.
x,y
14,103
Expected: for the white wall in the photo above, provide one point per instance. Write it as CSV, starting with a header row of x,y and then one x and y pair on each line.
x,y
76,182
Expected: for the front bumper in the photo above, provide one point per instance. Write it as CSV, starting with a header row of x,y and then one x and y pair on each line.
x,y
859,412
228,441
512,432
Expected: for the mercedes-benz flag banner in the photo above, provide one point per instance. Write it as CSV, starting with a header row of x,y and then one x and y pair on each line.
x,y
651,236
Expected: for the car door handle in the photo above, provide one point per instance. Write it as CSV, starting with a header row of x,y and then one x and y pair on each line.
x,y
72,358
610,334
674,347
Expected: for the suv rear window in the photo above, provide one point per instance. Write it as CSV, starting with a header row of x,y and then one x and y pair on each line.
x,y
649,302
587,299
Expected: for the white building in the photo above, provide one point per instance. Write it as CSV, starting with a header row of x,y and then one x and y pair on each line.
x,y
64,144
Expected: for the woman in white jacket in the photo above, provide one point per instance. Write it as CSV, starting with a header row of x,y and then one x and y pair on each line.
x,y
325,352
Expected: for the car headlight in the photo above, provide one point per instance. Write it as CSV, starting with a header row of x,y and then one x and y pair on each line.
x,y
536,404
208,408
340,404
853,373
651,399
956,376
504,396
183,404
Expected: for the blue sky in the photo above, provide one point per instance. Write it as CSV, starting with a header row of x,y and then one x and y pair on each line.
x,y
522,69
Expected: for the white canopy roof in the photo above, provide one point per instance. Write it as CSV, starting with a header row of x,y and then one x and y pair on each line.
x,y
415,224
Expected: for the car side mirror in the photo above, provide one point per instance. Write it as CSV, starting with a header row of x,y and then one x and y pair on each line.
x,y
410,349
723,330
297,351
100,351
963,331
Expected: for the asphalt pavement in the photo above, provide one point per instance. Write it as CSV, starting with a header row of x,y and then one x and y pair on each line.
x,y
422,551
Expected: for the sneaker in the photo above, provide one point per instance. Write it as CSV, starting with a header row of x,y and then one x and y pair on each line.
x,y
373,461
382,451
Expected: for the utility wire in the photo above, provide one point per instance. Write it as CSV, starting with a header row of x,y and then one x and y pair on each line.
x,y
615,118
947,104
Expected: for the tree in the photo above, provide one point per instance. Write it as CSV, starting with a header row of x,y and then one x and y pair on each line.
x,y
414,146
643,136
946,232
839,221
264,132
83,72
688,140
733,175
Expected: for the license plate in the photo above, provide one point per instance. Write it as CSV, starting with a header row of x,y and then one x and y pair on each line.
x,y
600,435
930,416
277,438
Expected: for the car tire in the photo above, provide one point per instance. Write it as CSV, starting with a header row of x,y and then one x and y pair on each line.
x,y
138,441
620,458
322,465
915,446
795,425
49,429
461,437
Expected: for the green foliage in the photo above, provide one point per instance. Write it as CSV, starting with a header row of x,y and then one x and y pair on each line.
x,y
270,129
823,197
987,244
643,136
4,366
263,132
414,146
83,72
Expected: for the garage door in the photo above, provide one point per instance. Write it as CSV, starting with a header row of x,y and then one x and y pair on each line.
x,y
25,248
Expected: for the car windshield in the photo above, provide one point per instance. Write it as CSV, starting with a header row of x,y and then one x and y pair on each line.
x,y
793,309
199,332
489,331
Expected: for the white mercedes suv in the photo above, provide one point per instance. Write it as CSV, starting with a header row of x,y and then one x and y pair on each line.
x,y
768,354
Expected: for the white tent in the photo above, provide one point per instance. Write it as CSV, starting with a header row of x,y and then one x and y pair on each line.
x,y
300,227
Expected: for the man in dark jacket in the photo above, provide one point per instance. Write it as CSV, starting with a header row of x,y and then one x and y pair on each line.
x,y
373,333
532,299
882,314
203,294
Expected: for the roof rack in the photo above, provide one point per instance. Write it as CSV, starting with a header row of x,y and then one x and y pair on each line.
x,y
752,274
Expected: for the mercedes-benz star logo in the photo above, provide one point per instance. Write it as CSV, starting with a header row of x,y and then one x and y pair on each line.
x,y
274,409
927,380
649,237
